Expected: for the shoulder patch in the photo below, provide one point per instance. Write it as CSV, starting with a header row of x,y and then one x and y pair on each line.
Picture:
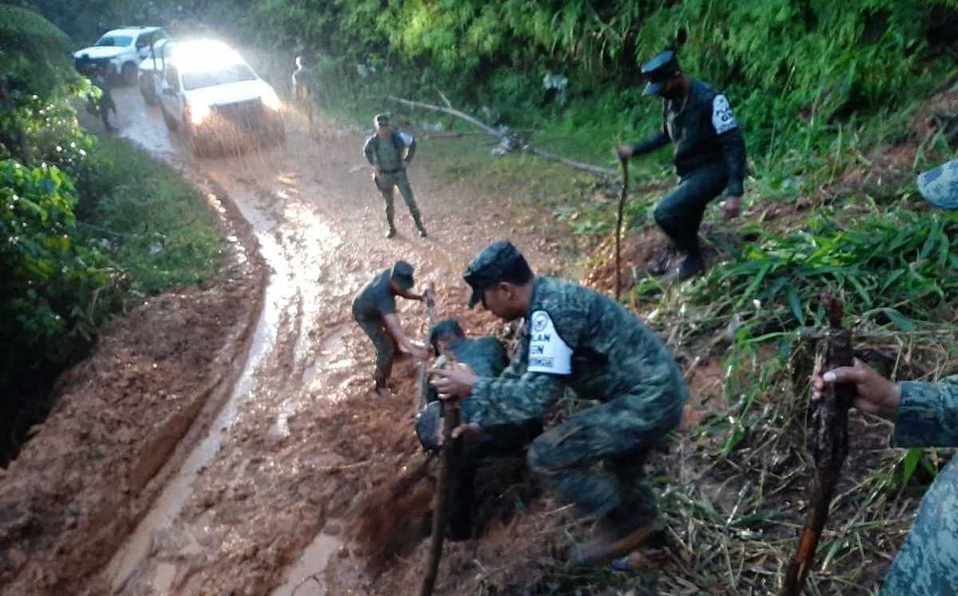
x,y
723,120
547,352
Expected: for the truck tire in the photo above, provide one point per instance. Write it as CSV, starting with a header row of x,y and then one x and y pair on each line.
x,y
171,124
128,73
147,89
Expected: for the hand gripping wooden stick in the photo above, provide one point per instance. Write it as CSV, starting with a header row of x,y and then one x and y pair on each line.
x,y
829,447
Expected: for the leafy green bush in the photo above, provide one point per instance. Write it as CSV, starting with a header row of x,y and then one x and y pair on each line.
x,y
161,232
54,292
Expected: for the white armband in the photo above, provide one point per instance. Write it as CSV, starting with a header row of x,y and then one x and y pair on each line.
x,y
548,353
723,120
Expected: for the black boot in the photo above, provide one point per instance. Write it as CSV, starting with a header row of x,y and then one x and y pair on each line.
x,y
692,266
391,232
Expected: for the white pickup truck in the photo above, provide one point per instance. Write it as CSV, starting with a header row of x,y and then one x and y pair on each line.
x,y
206,89
118,53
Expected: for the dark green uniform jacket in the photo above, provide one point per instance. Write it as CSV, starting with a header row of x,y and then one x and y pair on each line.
x,y
704,132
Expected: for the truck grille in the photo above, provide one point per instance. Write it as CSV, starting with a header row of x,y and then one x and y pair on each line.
x,y
245,114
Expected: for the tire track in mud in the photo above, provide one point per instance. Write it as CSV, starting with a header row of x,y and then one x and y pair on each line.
x,y
254,494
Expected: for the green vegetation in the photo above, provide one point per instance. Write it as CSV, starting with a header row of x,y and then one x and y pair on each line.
x,y
86,224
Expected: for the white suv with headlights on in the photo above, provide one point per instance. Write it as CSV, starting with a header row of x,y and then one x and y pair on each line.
x,y
118,53
206,89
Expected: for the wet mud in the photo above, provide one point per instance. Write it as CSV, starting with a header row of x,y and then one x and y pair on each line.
x,y
253,508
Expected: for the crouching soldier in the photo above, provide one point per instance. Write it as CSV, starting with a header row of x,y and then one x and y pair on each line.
x,y
575,338
486,356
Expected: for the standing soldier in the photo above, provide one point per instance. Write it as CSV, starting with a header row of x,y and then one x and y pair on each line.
x,y
582,340
709,154
305,88
374,308
390,152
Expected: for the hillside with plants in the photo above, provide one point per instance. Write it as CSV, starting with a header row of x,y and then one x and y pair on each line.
x,y
841,106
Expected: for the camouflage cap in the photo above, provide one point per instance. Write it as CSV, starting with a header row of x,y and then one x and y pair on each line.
x,y
381,119
489,267
402,273
659,69
939,186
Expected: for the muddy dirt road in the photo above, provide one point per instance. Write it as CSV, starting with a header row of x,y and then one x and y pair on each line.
x,y
245,513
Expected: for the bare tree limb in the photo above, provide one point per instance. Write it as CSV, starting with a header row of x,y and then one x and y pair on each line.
x,y
504,136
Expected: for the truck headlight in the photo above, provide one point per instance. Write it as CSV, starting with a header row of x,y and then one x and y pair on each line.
x,y
199,112
271,101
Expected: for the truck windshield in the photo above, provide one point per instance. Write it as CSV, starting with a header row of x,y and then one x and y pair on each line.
x,y
221,76
117,41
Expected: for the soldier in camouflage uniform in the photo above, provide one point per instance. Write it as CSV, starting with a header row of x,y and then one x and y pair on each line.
x,y
709,154
925,415
487,357
390,152
374,309
578,339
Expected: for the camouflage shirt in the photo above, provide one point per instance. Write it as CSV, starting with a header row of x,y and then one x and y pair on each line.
x,y
927,564
577,338
391,157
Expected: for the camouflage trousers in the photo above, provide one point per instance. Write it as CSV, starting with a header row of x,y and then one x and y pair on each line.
x,y
927,564
680,213
398,180
385,347
596,459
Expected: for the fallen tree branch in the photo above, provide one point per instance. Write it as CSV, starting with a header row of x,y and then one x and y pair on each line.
x,y
579,165
505,137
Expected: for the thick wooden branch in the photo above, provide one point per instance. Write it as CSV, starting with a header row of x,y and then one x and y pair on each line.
x,y
505,137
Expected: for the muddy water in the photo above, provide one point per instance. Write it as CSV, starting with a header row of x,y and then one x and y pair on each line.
x,y
229,516
130,570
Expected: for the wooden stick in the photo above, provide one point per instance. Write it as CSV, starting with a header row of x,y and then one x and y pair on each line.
x,y
450,457
618,227
430,314
829,447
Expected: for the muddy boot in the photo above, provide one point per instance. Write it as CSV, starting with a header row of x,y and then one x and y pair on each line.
x,y
391,232
421,228
692,266
617,539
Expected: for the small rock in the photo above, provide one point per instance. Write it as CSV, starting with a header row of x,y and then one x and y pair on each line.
x,y
333,529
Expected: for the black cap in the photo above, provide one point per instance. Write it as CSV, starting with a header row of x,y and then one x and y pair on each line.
x,y
445,328
402,273
658,70
381,119
496,261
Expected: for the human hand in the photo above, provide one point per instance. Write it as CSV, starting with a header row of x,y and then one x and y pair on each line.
x,y
623,152
469,433
455,382
732,207
874,393
418,351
